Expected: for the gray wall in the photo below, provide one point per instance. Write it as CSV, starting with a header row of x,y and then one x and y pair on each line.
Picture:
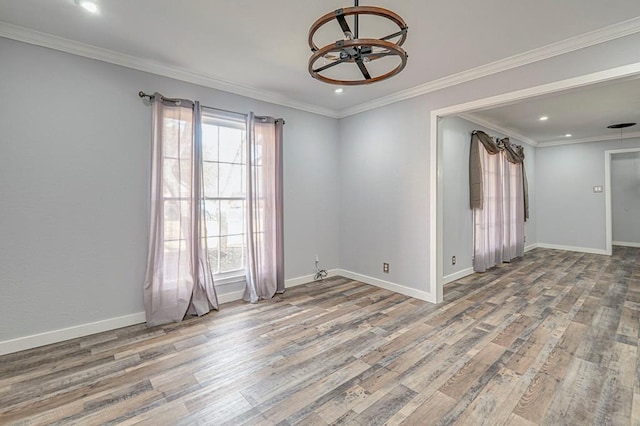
x,y
454,139
625,197
377,221
74,186
74,178
382,176
569,212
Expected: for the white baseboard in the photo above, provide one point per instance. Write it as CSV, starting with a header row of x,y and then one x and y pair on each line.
x,y
531,247
626,244
571,248
456,276
397,288
55,336
230,297
293,282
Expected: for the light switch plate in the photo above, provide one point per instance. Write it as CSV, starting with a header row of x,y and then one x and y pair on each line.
x,y
597,189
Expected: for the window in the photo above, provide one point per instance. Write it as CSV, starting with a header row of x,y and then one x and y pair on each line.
x,y
225,191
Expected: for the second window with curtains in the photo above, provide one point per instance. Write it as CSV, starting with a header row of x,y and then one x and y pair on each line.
x,y
499,200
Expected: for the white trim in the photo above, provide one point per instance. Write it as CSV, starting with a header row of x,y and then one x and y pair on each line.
x,y
531,247
435,190
544,89
292,282
626,244
387,285
226,281
38,38
616,137
60,335
581,41
436,215
505,131
306,279
457,275
608,215
572,248
229,297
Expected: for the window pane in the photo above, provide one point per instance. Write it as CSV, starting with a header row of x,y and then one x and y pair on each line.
x,y
231,253
231,217
231,180
214,253
212,217
209,142
231,146
224,159
210,177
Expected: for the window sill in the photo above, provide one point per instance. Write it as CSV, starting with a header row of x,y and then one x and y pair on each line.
x,y
232,278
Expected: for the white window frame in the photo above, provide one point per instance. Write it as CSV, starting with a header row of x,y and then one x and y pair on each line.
x,y
236,121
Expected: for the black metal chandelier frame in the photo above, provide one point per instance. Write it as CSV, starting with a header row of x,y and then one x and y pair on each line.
x,y
355,50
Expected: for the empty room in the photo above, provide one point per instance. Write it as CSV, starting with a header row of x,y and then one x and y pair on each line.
x,y
313,213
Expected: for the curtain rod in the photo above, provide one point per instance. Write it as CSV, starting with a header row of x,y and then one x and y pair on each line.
x,y
177,102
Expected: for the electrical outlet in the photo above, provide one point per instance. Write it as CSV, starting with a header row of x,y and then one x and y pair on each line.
x,y
385,268
453,260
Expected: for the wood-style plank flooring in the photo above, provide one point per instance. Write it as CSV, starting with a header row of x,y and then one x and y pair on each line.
x,y
548,339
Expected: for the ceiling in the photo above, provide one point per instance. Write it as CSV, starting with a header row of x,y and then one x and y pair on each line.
x,y
259,48
583,113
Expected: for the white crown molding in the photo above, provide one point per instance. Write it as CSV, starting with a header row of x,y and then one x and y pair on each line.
x,y
571,44
591,139
504,130
592,38
30,36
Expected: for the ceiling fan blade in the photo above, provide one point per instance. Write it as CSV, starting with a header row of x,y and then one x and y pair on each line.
x,y
344,25
363,69
332,64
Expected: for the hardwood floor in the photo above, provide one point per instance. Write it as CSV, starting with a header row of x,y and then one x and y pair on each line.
x,y
548,339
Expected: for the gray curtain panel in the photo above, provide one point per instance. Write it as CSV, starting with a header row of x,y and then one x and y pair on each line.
x,y
514,154
178,279
265,258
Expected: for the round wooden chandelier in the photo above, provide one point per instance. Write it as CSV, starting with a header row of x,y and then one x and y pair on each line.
x,y
355,50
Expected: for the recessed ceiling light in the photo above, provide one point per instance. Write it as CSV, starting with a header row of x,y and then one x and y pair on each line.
x,y
568,135
543,118
338,90
87,5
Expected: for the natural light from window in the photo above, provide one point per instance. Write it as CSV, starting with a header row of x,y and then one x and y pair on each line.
x,y
224,174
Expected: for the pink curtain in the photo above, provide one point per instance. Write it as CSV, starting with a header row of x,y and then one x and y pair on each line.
x,y
498,200
265,258
178,278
